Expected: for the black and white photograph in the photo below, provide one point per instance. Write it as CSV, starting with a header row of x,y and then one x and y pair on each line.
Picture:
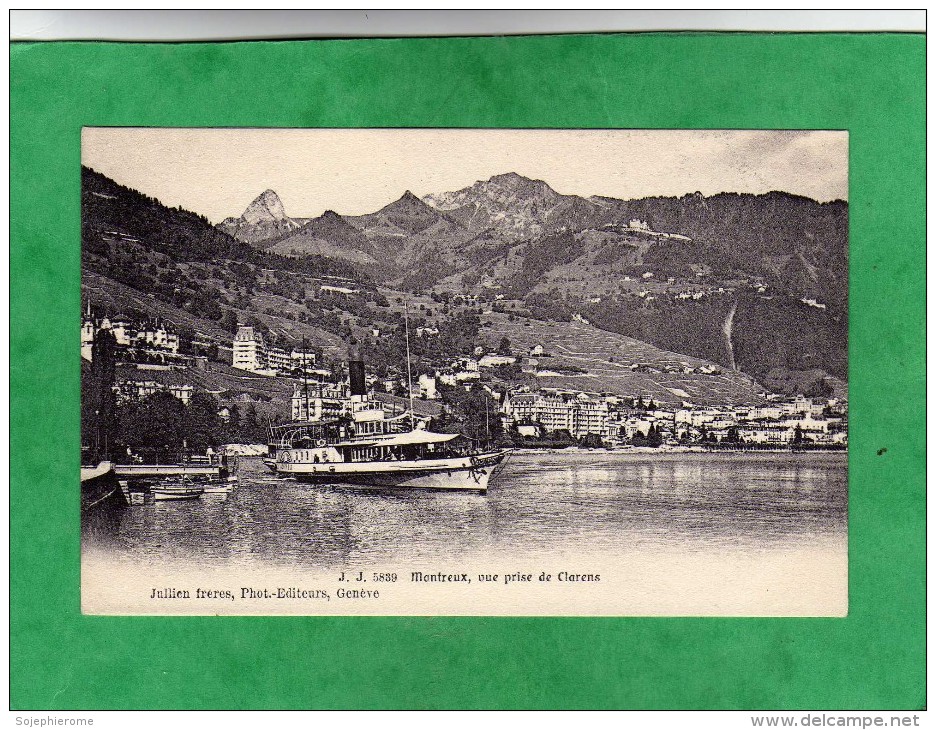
x,y
442,372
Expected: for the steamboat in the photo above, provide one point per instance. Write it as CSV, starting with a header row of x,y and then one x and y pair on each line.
x,y
361,443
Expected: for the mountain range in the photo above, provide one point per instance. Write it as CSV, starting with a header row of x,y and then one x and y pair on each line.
x,y
520,235
667,270
753,282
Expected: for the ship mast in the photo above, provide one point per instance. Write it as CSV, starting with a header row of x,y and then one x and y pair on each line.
x,y
487,422
409,368
305,378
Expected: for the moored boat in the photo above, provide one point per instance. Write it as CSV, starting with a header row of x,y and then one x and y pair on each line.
x,y
177,490
100,489
358,440
412,459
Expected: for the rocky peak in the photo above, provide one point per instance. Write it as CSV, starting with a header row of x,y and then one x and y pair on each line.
x,y
266,207
329,223
408,204
408,200
513,181
508,178
514,206
497,192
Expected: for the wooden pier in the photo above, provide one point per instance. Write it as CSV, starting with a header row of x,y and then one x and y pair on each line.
x,y
142,471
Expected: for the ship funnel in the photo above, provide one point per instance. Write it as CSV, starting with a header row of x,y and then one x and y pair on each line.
x,y
356,372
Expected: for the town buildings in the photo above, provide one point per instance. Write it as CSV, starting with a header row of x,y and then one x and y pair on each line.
x,y
325,399
617,420
147,338
577,412
251,352
135,383
318,398
150,359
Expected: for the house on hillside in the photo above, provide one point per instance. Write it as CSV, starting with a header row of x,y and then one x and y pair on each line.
x,y
492,360
134,383
427,386
250,350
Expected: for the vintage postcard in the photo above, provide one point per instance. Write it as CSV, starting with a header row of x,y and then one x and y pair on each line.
x,y
464,372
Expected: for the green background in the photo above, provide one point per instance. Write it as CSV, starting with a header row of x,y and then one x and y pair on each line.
x,y
871,85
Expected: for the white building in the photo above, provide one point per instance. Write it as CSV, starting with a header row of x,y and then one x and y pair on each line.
x,y
491,360
576,412
139,389
302,359
427,386
279,360
317,400
250,352
465,363
152,338
765,433
529,429
87,338
158,337
141,381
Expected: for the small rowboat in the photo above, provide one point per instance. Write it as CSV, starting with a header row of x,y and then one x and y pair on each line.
x,y
185,489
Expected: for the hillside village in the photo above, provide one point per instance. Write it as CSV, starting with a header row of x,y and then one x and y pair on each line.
x,y
296,384
537,318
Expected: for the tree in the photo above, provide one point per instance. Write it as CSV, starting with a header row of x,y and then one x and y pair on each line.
x,y
457,334
562,436
475,414
798,436
202,425
705,436
509,372
252,430
591,441
100,418
153,422
231,428
503,347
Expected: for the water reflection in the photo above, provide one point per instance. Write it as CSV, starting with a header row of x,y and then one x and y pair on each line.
x,y
541,503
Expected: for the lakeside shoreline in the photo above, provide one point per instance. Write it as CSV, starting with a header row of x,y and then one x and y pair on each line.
x,y
259,450
673,450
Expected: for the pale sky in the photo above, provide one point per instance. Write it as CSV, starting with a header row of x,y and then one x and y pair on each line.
x,y
218,172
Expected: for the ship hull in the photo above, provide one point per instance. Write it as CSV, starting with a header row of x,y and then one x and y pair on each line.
x,y
461,474
100,490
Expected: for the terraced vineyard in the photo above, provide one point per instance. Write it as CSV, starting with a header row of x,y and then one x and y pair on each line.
x,y
621,365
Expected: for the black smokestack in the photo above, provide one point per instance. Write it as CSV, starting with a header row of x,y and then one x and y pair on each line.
x,y
356,373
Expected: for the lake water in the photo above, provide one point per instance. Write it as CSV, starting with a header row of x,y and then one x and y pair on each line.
x,y
627,510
